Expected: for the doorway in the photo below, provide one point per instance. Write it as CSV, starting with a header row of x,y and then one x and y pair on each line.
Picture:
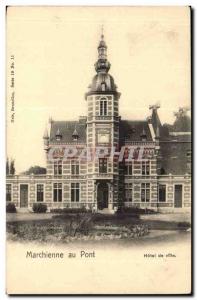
x,y
24,195
102,195
178,195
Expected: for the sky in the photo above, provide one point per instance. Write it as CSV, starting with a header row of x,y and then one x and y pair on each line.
x,y
55,49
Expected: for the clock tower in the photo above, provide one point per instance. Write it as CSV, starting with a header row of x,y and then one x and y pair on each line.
x,y
102,134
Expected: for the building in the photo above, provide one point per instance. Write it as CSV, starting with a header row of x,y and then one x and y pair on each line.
x,y
156,175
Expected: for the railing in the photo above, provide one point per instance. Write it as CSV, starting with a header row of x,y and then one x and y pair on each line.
x,y
99,175
141,143
21,177
174,176
103,176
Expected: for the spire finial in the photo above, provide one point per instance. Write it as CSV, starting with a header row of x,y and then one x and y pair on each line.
x,y
154,106
102,65
102,32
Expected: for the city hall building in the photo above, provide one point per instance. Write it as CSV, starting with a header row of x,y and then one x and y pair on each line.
x,y
156,177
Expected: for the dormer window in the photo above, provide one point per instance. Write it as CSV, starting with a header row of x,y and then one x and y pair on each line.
x,y
58,135
103,86
143,135
75,135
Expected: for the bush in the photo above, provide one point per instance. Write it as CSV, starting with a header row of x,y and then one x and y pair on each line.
x,y
184,225
11,208
68,210
81,225
52,231
39,208
135,210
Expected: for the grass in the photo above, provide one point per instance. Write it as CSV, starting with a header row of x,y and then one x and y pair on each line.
x,y
69,227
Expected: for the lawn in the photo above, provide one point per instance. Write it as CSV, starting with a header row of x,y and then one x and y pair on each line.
x,y
69,227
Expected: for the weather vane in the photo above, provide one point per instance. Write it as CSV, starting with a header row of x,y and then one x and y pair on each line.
x,y
102,31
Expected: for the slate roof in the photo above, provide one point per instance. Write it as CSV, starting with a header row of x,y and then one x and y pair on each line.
x,y
98,80
66,129
175,151
155,120
129,130
132,130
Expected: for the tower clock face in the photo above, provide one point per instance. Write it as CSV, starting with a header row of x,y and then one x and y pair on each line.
x,y
103,138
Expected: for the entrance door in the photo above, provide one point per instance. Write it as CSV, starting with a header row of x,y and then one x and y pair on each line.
x,y
178,195
24,195
102,195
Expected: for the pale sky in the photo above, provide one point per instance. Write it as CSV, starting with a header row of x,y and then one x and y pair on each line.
x,y
55,49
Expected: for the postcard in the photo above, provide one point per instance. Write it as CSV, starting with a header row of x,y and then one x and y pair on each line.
x,y
98,167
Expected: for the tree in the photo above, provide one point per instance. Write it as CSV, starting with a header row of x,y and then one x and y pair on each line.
x,y
35,170
183,121
12,167
7,167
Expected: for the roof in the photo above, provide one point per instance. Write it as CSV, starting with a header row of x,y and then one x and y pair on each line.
x,y
155,119
129,131
181,124
102,83
66,129
132,130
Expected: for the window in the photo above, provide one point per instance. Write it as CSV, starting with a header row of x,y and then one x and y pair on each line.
x,y
103,107
103,86
145,192
188,163
128,168
145,168
74,167
129,192
75,192
189,154
162,171
162,193
40,192
57,192
102,165
58,167
8,192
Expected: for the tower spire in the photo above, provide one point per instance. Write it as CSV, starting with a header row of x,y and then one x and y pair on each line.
x,y
102,82
102,65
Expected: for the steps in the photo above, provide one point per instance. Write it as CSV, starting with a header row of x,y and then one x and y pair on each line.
x,y
106,211
23,210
